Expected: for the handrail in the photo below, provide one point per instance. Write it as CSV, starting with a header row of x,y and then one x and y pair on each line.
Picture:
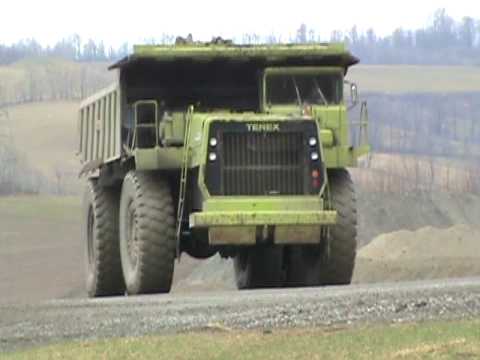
x,y
360,138
183,177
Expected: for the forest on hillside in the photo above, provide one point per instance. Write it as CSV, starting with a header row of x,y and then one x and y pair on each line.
x,y
443,41
442,125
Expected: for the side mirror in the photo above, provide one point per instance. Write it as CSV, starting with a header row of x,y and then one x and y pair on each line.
x,y
353,94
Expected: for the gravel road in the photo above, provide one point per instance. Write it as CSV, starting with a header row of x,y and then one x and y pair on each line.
x,y
24,326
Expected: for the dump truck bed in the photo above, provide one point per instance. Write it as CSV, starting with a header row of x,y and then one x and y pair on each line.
x,y
263,55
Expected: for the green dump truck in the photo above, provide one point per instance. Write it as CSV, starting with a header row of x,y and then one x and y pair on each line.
x,y
215,148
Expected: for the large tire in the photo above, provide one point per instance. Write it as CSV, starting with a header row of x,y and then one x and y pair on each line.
x,y
100,235
309,265
147,233
258,267
337,267
303,264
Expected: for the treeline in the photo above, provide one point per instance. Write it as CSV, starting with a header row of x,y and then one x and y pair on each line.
x,y
52,79
444,41
444,125
69,48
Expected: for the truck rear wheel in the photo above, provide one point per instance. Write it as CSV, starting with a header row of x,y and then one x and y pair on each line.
x,y
258,267
100,234
303,265
147,233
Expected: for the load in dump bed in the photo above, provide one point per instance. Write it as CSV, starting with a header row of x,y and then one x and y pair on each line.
x,y
217,148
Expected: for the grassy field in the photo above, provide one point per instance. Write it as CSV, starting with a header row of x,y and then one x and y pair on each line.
x,y
41,254
398,79
45,208
446,340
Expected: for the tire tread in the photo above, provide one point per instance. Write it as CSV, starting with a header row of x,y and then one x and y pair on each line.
x,y
106,271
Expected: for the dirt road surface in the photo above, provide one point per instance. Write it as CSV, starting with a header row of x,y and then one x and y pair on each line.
x,y
64,320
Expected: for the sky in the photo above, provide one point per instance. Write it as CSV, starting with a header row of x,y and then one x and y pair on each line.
x,y
116,22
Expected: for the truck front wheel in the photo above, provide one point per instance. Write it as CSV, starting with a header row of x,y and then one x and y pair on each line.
x,y
337,267
317,266
147,233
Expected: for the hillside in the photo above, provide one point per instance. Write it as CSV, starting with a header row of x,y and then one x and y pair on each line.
x,y
45,133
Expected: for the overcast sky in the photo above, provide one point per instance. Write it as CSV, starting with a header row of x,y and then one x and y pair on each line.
x,y
50,20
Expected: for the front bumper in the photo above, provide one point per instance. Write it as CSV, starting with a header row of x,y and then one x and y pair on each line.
x,y
294,220
259,218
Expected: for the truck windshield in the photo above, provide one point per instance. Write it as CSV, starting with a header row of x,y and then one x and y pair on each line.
x,y
320,89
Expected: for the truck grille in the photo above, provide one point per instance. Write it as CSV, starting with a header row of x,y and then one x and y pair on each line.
x,y
263,158
262,163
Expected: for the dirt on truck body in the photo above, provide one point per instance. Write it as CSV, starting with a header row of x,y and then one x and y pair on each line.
x,y
209,148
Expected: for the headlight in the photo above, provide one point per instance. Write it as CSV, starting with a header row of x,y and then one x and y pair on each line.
x,y
212,156
314,156
213,142
312,141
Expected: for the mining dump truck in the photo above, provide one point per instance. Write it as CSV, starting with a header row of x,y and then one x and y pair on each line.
x,y
216,148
